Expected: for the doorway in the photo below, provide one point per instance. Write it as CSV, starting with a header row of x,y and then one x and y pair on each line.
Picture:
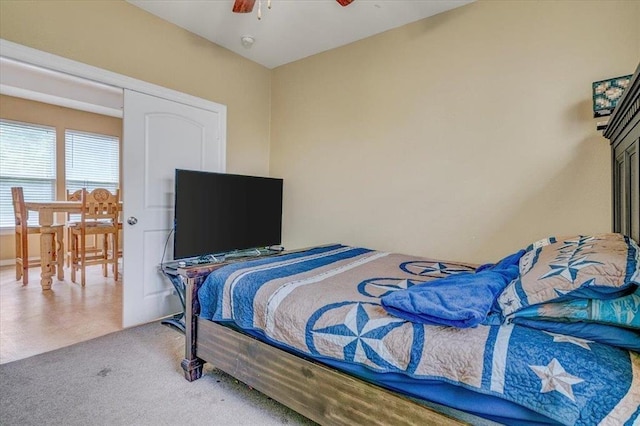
x,y
32,321
160,289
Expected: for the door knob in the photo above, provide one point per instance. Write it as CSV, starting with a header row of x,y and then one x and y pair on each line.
x,y
132,220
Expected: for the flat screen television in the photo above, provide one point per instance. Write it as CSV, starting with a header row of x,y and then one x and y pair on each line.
x,y
218,213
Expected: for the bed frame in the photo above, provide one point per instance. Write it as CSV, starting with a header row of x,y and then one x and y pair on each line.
x,y
330,397
321,393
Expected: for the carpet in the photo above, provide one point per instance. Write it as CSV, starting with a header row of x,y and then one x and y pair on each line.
x,y
131,377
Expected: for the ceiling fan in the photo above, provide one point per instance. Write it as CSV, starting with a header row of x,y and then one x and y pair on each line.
x,y
246,6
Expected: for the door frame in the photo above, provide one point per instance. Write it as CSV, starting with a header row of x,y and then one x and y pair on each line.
x,y
47,60
53,62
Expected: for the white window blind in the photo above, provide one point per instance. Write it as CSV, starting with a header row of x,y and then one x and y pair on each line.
x,y
27,159
91,161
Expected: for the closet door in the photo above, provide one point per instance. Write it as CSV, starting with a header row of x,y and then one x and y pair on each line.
x,y
159,136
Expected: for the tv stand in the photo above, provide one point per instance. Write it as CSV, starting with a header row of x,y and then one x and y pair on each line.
x,y
177,275
253,252
178,271
231,256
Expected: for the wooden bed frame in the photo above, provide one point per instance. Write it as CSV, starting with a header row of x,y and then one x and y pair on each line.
x,y
328,396
321,393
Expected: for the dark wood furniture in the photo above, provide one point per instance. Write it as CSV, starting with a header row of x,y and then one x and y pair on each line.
x,y
623,131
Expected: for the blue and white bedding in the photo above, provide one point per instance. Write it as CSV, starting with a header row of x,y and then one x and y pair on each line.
x,y
622,312
325,303
612,321
604,266
459,300
584,286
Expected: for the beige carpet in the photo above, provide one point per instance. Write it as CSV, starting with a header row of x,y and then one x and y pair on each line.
x,y
131,377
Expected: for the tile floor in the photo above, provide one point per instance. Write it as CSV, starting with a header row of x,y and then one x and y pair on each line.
x,y
33,321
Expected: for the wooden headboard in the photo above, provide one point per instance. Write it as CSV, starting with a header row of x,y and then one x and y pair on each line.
x,y
623,131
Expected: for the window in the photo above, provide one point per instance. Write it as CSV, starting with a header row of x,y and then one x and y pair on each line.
x,y
27,159
91,161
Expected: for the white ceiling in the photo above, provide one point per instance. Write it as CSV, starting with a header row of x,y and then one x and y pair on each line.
x,y
292,29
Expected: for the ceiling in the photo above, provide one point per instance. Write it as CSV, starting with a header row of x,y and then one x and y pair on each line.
x,y
292,29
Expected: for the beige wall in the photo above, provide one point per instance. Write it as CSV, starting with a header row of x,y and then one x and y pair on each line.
x,y
461,136
61,119
122,38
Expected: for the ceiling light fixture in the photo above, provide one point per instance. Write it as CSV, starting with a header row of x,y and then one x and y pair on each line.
x,y
247,41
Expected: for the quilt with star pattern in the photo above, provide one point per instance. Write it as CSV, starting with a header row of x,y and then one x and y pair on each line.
x,y
325,303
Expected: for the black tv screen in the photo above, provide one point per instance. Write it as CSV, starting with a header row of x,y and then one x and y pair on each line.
x,y
218,213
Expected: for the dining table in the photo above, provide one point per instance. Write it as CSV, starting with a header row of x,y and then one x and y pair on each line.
x,y
51,254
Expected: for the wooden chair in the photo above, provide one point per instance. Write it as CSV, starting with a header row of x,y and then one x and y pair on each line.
x,y
72,221
77,196
99,216
23,230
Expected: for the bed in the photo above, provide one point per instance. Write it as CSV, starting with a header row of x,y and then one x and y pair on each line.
x,y
350,335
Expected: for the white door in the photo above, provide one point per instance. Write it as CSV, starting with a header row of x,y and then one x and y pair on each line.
x,y
159,136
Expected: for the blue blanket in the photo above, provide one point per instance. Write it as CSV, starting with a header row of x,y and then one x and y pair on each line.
x,y
325,303
460,300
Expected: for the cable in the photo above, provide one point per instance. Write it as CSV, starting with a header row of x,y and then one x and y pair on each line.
x,y
166,243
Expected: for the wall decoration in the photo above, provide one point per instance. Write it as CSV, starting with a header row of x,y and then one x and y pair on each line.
x,y
606,94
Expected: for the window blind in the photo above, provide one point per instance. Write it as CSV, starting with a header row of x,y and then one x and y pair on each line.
x,y
91,161
27,159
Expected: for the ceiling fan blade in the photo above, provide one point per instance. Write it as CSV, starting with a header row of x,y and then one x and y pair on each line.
x,y
344,2
243,6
